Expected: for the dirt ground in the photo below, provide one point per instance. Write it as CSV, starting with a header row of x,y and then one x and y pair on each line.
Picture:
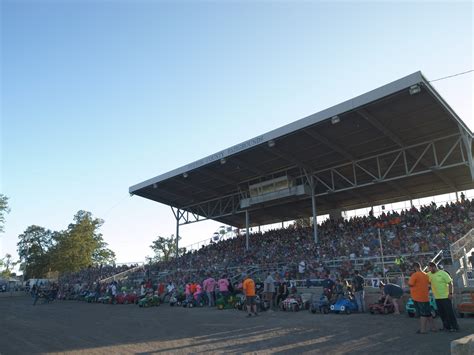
x,y
78,327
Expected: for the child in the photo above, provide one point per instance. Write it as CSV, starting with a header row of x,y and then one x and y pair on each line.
x,y
339,290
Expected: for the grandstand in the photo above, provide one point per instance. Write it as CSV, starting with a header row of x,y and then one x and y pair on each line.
x,y
425,234
398,142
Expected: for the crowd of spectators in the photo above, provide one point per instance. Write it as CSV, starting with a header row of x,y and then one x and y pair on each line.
x,y
428,229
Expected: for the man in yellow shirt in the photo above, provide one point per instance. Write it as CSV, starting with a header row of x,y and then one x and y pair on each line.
x,y
442,287
249,290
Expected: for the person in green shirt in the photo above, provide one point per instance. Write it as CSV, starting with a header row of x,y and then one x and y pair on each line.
x,y
442,287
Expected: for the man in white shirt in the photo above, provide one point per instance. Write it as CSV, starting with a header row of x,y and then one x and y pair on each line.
x,y
113,291
269,289
302,269
170,287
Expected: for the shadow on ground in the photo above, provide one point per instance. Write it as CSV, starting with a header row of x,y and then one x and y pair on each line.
x,y
70,326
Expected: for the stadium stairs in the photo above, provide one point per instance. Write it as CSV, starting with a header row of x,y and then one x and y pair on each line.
x,y
461,272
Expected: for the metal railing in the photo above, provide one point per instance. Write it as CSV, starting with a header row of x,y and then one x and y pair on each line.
x,y
465,243
387,259
198,245
459,250
138,263
436,259
121,275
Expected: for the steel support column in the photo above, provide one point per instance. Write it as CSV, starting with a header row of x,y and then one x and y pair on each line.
x,y
177,234
313,203
467,140
246,229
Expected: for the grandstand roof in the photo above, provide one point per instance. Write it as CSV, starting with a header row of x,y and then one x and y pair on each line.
x,y
400,141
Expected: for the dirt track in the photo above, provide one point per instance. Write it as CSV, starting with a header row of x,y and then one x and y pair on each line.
x,y
70,326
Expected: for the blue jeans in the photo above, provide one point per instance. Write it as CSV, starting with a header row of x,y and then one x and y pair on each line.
x,y
210,297
359,297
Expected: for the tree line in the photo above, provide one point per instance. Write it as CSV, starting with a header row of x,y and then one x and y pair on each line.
x,y
79,246
43,251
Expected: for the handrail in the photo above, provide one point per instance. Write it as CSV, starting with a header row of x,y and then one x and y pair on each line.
x,y
458,245
116,276
205,242
461,239
138,263
388,259
433,260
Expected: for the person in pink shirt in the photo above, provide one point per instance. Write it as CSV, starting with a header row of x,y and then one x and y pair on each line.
x,y
223,285
209,286
187,292
198,294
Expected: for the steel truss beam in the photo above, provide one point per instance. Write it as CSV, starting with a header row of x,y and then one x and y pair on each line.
x,y
341,151
427,157
467,140
368,171
212,209
382,128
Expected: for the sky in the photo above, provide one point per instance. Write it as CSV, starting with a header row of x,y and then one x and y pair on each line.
x,y
97,96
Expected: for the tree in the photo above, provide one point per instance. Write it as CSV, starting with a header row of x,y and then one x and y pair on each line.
x,y
81,245
34,248
8,264
165,248
103,255
3,210
43,251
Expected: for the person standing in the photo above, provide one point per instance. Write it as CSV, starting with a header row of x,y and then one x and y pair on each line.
x,y
419,290
301,269
113,292
248,287
282,290
223,284
170,288
328,286
442,286
471,260
269,289
358,288
392,292
209,285
161,290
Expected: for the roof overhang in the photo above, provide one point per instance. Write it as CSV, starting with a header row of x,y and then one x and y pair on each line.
x,y
397,142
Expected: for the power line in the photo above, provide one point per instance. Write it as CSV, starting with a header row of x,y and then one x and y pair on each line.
x,y
451,76
114,206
